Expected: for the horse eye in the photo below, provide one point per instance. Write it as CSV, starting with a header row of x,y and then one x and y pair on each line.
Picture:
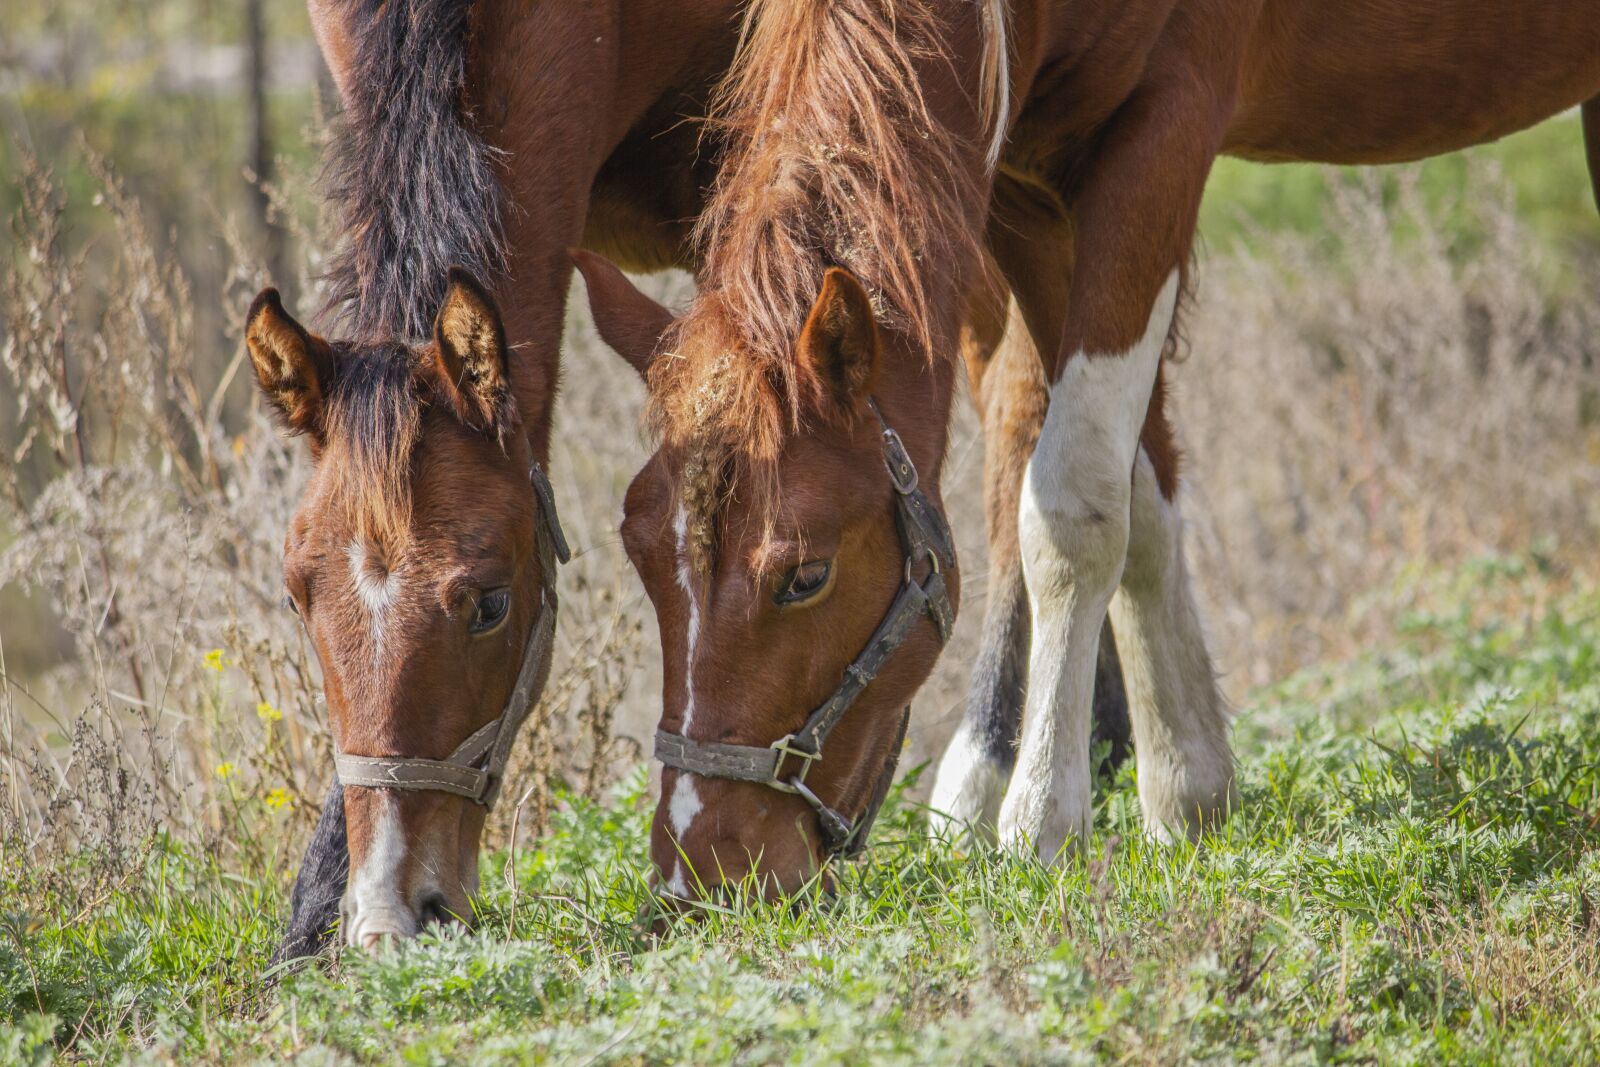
x,y
491,612
288,602
804,581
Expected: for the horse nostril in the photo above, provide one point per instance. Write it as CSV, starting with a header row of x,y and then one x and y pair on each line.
x,y
436,909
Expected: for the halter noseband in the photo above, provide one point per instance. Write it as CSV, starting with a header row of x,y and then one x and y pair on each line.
x,y
925,536
475,769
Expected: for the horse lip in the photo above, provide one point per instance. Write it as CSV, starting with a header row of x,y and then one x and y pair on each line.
x,y
371,929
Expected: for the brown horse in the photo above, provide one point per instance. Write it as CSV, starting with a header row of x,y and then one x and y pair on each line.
x,y
492,136
843,239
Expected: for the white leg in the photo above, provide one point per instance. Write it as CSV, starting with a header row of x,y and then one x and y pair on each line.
x,y
966,790
1074,524
977,764
1180,721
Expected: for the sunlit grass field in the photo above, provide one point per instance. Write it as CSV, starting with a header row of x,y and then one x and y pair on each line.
x,y
1412,877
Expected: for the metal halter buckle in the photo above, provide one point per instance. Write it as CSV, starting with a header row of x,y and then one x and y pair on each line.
x,y
902,472
784,747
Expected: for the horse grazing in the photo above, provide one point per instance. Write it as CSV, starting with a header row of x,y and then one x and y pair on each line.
x,y
492,137
429,609
843,239
789,527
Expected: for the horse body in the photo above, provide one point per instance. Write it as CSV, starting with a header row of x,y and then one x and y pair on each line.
x,y
1114,113
1122,110
1364,82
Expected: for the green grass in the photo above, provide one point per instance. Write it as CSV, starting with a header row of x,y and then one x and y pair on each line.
x,y
1412,878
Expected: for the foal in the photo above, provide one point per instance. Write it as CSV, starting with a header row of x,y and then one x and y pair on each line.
x,y
788,528
492,135
761,526
421,560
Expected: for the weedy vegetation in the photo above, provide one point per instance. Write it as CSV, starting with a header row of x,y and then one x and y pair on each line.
x,y
1390,408
1411,878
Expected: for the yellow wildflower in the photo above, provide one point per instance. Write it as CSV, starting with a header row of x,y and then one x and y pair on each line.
x,y
226,771
267,713
214,660
278,799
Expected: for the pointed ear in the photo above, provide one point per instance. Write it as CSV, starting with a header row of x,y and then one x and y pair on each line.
x,y
293,368
470,356
630,322
839,344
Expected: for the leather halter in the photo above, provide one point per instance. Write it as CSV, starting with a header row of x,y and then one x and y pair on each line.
x,y
475,769
783,765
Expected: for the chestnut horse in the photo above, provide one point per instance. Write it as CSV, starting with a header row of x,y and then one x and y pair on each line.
x,y
495,136
876,148
491,136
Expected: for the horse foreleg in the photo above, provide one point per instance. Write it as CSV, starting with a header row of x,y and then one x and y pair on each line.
x,y
1008,386
1179,716
1135,215
318,888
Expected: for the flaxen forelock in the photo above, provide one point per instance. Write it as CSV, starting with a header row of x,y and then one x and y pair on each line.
x,y
373,424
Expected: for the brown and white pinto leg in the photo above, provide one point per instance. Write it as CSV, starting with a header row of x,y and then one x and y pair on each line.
x,y
1135,217
1180,719
1009,388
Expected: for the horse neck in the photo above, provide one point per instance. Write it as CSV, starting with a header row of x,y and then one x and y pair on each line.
x,y
555,95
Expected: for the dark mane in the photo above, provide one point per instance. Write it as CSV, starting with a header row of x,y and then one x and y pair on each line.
x,y
373,422
412,183
830,158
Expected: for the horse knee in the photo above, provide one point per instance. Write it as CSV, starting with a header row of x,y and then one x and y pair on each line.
x,y
1073,528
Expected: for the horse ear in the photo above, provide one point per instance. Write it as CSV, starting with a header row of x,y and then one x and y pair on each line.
x,y
839,344
293,368
630,322
469,346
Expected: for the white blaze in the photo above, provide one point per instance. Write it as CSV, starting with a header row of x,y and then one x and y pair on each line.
x,y
685,803
373,906
377,588
680,526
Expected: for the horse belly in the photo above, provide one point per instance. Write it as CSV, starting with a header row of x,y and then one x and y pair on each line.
x,y
1384,81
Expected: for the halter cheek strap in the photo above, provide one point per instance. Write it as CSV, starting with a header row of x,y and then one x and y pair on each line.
x,y
784,764
476,768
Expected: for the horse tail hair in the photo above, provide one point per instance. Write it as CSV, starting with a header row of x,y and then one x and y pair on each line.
x,y
412,182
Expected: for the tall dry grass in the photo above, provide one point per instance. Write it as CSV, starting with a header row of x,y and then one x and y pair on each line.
x,y
1358,407
1389,398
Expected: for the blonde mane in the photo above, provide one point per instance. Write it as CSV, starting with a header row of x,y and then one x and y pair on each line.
x,y
830,157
